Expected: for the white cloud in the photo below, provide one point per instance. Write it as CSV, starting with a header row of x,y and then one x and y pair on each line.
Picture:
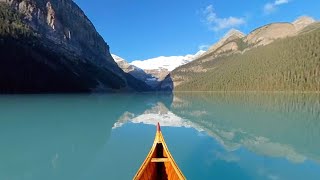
x,y
217,23
204,47
268,8
271,7
279,2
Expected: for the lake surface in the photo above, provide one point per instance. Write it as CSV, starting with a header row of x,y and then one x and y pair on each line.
x,y
210,135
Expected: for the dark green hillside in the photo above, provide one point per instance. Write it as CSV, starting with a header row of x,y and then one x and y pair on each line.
x,y
291,64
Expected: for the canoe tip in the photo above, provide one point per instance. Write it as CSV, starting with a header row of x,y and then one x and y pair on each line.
x,y
158,127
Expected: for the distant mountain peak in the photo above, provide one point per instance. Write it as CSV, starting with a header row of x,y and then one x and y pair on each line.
x,y
304,18
234,32
303,21
122,63
135,71
117,58
166,62
230,36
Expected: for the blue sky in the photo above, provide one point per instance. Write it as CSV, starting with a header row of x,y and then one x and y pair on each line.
x,y
143,29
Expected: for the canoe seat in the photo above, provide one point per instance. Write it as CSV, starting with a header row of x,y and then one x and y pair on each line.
x,y
159,159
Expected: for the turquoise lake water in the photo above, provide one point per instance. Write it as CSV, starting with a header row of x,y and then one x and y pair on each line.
x,y
211,135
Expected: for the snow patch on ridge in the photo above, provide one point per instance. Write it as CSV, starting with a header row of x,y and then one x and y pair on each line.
x,y
166,62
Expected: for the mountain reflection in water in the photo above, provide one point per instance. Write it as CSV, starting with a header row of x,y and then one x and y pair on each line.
x,y
211,135
276,124
280,125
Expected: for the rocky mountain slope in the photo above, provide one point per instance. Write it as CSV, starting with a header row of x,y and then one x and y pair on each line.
x,y
226,44
236,42
59,50
269,58
136,72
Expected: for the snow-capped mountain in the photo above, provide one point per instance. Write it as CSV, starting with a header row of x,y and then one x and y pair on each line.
x,y
135,71
166,62
153,71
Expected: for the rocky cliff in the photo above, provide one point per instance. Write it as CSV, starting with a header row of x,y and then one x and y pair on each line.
x,y
63,43
65,24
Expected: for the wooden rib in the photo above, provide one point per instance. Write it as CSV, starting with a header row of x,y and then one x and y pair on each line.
x,y
159,159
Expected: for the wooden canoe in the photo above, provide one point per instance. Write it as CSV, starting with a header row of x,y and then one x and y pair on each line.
x,y
159,163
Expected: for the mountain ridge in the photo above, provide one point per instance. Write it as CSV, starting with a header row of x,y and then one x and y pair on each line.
x,y
228,51
235,41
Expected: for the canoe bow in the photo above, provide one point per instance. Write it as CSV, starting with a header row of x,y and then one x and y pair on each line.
x,y
159,164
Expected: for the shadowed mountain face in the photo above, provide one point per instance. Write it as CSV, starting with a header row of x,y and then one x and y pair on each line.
x,y
53,47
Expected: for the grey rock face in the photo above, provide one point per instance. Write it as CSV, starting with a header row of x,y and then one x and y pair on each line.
x,y
65,24
62,30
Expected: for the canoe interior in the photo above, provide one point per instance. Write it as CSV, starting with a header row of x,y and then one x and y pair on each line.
x,y
159,170
159,164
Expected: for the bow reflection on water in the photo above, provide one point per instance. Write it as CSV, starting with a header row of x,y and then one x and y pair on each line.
x,y
283,125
